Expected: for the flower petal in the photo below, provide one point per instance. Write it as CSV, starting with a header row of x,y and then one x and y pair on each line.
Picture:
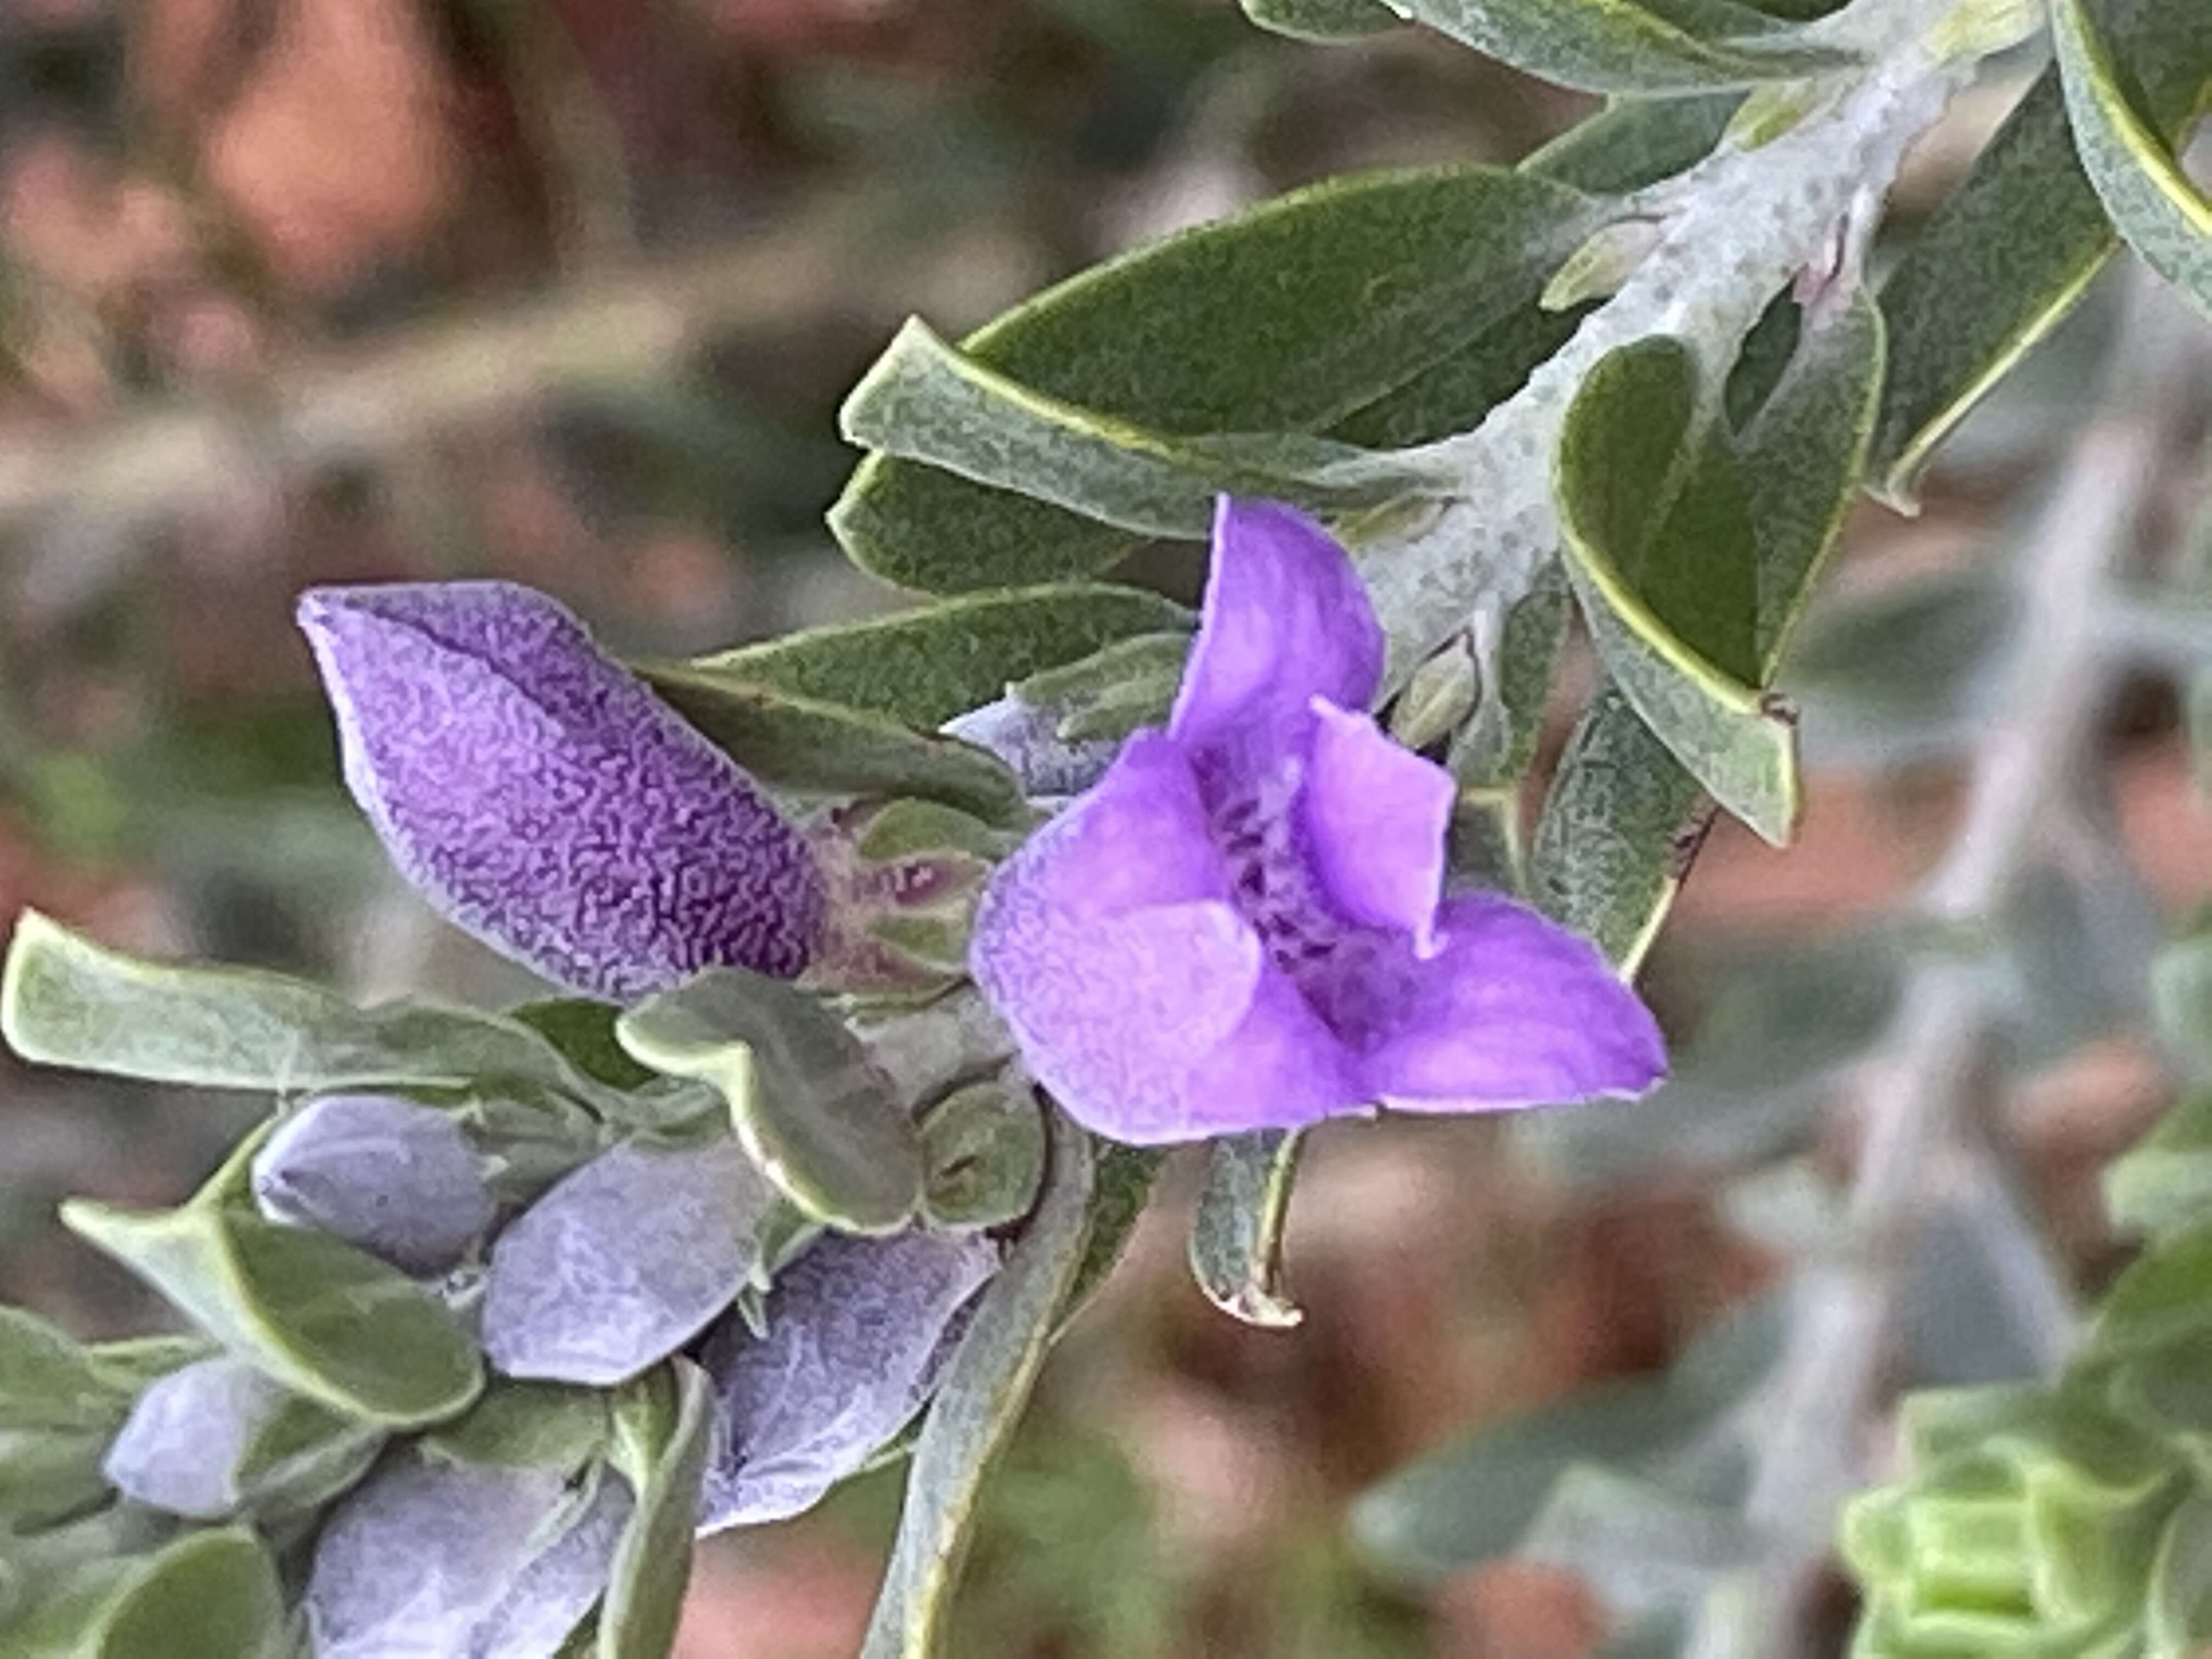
x,y
1513,1011
858,1329
416,1555
623,1261
1285,619
548,803
1374,817
396,1178
180,1448
1139,997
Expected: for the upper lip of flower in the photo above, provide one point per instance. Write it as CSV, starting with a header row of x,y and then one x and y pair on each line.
x,y
1242,925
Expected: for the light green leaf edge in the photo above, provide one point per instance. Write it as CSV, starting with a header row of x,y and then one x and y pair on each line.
x,y
1237,1232
660,1446
1734,738
1619,47
2155,205
65,1001
921,667
849,1157
1373,356
925,401
1321,21
977,1405
208,1595
815,748
195,1256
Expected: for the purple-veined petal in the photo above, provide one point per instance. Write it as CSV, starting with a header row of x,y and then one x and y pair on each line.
x,y
1374,817
179,1448
858,1329
544,800
421,1552
1139,996
1285,619
396,1178
1513,1011
623,1261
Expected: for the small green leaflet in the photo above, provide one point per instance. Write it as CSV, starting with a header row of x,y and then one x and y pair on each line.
x,y
1237,1235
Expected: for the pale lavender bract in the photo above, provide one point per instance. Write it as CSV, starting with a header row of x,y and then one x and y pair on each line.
x,y
395,1177
1242,925
623,1261
858,1330
544,800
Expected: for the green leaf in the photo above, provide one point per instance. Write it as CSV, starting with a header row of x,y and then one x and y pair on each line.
x,y
1111,692
1237,1235
2164,1181
67,1002
983,1146
1664,559
2178,1612
1121,1185
206,1595
922,667
814,748
1801,456
48,1381
584,1031
1478,1498
51,1476
132,1362
2017,245
1995,271
302,1456
1638,46
1617,832
325,1320
811,1109
1322,19
663,1434
523,1423
923,401
1497,747
2163,1296
1285,319
2153,203
1635,143
978,1401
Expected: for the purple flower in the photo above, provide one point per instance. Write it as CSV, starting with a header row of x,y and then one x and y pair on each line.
x,y
1242,925
545,800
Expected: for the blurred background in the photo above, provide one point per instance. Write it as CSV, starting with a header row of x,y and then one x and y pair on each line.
x,y
568,290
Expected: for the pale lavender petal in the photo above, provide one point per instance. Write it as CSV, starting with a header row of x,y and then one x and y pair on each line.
x,y
421,1553
1139,996
396,1178
623,1261
857,1332
545,800
1285,619
552,1595
179,1448
1027,738
1374,817
1513,1011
